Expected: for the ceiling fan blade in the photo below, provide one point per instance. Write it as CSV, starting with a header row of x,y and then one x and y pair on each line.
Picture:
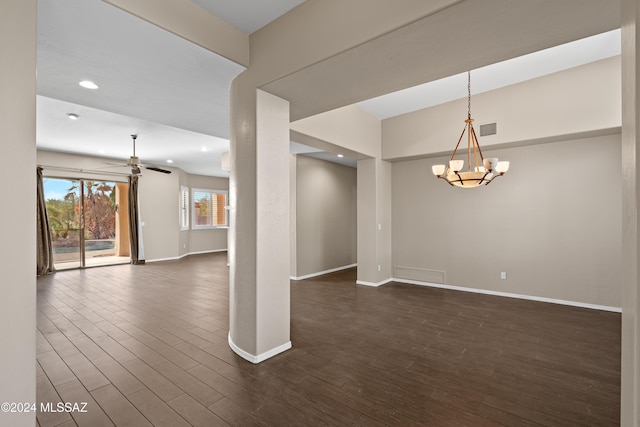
x,y
157,169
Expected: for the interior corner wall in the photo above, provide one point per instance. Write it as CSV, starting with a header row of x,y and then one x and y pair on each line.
x,y
384,220
374,222
552,223
326,197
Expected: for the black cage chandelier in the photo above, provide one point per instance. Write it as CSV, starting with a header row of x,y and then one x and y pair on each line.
x,y
484,171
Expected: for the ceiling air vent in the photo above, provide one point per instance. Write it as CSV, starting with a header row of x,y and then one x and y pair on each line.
x,y
488,129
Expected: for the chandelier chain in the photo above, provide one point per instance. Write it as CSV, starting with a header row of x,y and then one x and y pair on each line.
x,y
469,94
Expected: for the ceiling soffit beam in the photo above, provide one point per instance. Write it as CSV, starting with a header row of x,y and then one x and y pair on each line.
x,y
193,23
465,36
319,29
323,145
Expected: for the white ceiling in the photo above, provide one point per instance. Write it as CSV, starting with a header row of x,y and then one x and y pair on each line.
x,y
175,95
103,134
151,83
248,15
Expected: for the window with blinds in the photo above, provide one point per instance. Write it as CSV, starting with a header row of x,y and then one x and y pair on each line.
x,y
184,208
209,208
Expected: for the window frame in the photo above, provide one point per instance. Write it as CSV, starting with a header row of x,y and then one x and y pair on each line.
x,y
212,193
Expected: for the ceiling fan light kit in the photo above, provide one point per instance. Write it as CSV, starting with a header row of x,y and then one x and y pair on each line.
x,y
484,171
136,165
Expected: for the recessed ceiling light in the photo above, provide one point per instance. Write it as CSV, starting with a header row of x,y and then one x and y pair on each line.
x,y
72,116
169,161
88,84
340,155
204,149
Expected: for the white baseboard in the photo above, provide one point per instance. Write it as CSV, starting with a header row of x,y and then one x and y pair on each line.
x,y
162,259
204,252
374,284
260,357
185,255
320,273
511,295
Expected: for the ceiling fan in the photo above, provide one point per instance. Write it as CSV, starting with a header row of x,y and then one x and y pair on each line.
x,y
136,165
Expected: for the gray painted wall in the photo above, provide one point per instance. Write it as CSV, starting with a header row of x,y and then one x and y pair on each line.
x,y
553,223
325,215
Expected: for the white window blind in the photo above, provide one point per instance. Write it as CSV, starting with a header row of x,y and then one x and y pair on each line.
x,y
184,208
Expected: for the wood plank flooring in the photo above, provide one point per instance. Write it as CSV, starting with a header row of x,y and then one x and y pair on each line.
x,y
147,345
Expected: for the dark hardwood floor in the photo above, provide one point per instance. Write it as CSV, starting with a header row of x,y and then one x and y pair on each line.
x,y
147,345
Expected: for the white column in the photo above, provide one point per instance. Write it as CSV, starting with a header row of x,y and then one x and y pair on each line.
x,y
18,190
630,397
374,222
259,240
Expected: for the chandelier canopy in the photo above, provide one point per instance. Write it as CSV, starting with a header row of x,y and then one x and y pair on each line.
x,y
484,171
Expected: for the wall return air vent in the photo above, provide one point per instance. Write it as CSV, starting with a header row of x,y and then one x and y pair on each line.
x,y
488,129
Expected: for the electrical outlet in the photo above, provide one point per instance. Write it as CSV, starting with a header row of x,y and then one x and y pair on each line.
x,y
379,267
503,275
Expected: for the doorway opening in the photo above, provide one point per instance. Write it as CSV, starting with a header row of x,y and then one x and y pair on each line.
x,y
89,222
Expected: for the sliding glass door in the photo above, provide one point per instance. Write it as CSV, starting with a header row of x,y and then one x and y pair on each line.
x,y
87,225
63,208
